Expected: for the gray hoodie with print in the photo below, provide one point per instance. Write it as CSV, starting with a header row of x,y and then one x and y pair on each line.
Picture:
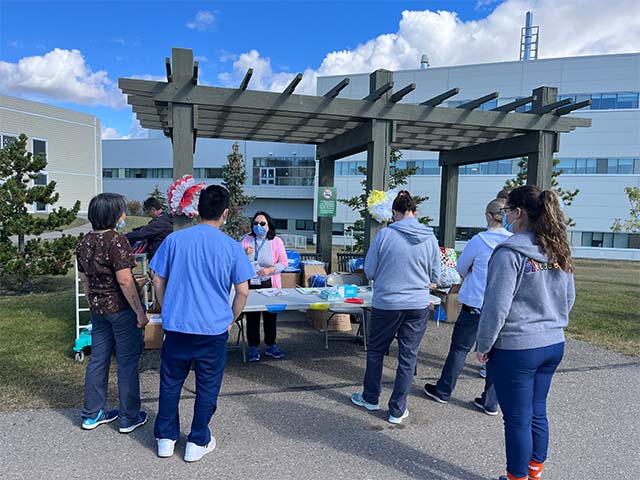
x,y
403,259
527,300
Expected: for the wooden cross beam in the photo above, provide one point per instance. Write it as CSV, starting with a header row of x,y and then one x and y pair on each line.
x,y
245,80
396,97
572,107
292,86
335,91
438,99
549,107
478,101
513,105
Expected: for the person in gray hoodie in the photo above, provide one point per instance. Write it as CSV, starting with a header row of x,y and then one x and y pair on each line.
x,y
530,292
402,261
472,265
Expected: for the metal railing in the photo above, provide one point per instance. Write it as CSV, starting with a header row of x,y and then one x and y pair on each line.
x,y
343,260
294,241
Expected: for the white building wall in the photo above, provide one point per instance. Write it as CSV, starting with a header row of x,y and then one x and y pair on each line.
x,y
73,143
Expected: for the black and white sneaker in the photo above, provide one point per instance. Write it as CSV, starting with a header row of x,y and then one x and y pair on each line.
x,y
431,392
141,420
478,403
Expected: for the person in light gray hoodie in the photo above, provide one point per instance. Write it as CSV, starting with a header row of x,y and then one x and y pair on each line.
x,y
530,292
402,261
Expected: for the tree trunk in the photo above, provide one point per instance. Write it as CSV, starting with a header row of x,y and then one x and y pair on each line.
x,y
21,243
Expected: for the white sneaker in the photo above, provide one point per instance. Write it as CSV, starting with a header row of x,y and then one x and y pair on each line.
x,y
194,452
165,447
398,420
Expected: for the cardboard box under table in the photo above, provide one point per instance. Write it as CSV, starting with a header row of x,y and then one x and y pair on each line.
x,y
153,332
449,301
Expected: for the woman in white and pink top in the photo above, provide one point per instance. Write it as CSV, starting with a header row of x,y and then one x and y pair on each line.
x,y
267,253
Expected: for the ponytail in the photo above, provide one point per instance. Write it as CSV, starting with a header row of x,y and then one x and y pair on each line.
x,y
547,222
404,203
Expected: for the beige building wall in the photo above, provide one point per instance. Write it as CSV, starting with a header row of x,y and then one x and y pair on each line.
x,y
73,146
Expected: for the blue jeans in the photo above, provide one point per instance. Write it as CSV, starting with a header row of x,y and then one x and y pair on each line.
x,y
409,326
462,340
179,350
522,379
117,331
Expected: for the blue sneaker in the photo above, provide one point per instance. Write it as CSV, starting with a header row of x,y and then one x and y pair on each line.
x,y
141,420
398,420
102,417
356,399
254,354
274,352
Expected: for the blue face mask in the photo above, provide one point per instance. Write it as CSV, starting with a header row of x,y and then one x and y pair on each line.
x,y
120,225
259,230
507,226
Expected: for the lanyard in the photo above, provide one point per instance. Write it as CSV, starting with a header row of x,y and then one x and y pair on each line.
x,y
257,248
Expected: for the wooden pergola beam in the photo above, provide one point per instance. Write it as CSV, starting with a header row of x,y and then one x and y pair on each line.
x,y
292,86
377,95
335,91
438,99
549,107
512,147
245,81
513,105
400,94
573,107
478,101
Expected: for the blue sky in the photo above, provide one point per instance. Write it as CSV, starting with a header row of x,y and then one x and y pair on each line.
x,y
72,53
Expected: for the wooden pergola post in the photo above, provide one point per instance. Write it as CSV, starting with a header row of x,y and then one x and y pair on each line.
x,y
182,122
324,232
378,150
448,205
540,162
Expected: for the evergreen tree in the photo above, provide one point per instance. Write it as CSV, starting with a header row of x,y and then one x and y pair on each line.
x,y
397,178
22,260
159,195
633,224
567,196
234,178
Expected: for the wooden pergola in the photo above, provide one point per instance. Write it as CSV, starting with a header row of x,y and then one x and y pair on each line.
x,y
341,127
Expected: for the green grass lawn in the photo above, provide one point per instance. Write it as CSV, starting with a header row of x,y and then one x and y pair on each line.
x,y
37,369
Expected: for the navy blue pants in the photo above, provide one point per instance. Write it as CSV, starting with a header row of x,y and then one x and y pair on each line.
x,y
409,326
462,340
522,379
117,331
179,350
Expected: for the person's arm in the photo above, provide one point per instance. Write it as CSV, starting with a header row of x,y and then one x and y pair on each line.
x,y
571,292
371,259
282,261
129,289
159,286
467,257
150,230
434,261
502,279
240,299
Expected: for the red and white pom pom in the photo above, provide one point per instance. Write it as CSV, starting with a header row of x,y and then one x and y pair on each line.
x,y
183,196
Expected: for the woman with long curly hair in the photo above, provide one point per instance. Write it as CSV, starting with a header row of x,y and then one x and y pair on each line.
x,y
529,295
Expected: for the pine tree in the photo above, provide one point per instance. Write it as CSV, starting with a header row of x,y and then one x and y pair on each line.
x,y
633,224
397,178
20,262
567,196
159,195
234,178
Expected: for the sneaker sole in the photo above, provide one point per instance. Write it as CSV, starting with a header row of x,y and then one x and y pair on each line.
x,y
167,454
277,357
396,420
479,406
133,427
254,359
368,406
97,424
435,397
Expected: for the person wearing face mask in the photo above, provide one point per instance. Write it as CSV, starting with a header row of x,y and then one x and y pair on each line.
x,y
195,268
105,261
530,292
472,265
267,253
403,259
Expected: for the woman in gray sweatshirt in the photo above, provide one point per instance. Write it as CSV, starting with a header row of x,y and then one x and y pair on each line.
x,y
402,261
529,294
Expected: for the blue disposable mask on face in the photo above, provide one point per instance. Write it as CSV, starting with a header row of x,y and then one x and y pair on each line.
x,y
259,230
507,226
120,225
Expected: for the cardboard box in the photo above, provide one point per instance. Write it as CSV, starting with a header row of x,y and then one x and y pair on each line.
x,y
290,279
338,323
153,332
308,270
450,302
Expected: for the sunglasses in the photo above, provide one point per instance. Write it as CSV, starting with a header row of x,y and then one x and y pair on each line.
x,y
506,210
262,224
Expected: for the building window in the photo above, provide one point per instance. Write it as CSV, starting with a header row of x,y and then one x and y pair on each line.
x,y
7,140
148,173
39,146
208,172
281,223
110,173
40,181
306,225
286,171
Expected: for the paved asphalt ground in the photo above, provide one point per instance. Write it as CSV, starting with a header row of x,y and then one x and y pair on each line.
x,y
292,419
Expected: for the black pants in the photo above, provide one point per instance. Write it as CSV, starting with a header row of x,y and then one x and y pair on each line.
x,y
253,322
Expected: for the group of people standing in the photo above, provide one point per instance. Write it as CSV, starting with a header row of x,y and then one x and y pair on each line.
x,y
517,293
516,297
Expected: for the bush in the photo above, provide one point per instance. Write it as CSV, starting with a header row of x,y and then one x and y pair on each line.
x,y
134,208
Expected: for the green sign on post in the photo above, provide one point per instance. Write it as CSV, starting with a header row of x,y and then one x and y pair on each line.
x,y
327,201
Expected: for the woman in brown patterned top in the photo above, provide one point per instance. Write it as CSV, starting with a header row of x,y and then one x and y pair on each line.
x,y
105,261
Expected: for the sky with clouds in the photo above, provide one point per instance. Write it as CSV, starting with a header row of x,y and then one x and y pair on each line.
x,y
73,52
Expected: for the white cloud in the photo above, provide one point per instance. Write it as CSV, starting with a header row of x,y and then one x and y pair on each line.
x,y
119,41
14,43
60,75
136,130
146,76
109,133
203,20
567,28
201,58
